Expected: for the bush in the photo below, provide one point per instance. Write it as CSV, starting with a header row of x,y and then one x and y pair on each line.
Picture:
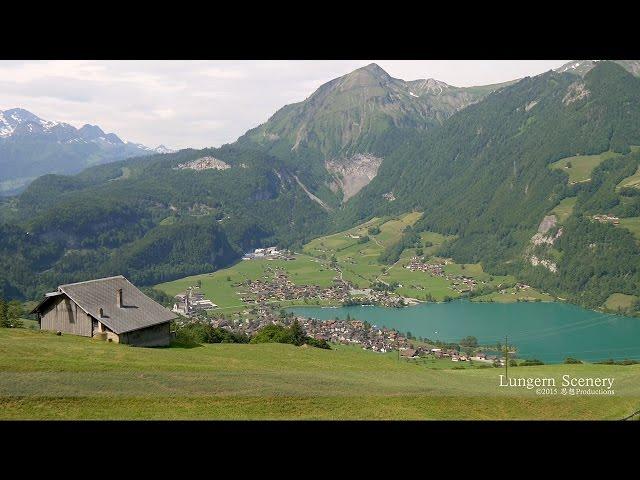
x,y
531,362
293,335
273,334
611,361
318,343
202,332
571,360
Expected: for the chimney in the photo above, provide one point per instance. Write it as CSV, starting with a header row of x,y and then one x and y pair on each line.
x,y
101,313
119,298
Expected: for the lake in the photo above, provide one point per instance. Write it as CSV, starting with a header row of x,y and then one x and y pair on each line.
x,y
547,331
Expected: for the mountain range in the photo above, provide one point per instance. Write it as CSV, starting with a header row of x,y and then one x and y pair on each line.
x,y
521,174
31,146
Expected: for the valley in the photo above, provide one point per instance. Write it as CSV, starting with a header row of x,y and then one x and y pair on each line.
x,y
351,259
362,254
479,167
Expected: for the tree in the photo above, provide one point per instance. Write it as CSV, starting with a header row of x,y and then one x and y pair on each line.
x,y
14,313
4,320
469,342
298,335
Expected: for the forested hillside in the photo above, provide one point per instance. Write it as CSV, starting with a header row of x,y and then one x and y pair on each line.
x,y
151,219
485,177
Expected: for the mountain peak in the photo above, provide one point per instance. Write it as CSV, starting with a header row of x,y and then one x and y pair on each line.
x,y
582,67
90,132
375,69
371,75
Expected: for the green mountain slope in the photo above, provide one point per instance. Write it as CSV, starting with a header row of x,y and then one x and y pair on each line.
x,y
581,67
529,179
366,112
485,177
152,218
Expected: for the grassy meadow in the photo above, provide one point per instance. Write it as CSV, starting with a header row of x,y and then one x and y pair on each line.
x,y
620,302
632,224
579,167
357,262
43,376
564,209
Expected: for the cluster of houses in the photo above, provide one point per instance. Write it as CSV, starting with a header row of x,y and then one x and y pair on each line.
x,y
608,218
459,283
346,332
281,288
382,298
268,253
457,356
356,332
192,301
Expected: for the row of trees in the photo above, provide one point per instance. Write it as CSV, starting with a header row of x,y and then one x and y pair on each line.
x,y
201,331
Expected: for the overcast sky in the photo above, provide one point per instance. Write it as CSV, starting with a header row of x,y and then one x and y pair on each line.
x,y
205,103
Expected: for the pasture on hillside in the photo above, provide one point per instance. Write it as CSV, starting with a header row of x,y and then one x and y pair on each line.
x,y
44,376
579,167
356,252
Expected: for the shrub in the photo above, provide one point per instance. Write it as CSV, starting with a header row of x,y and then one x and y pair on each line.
x,y
318,343
571,360
531,362
202,332
273,334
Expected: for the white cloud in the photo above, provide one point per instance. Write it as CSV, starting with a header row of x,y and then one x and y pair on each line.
x,y
203,103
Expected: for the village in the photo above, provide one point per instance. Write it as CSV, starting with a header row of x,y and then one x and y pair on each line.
x,y
608,218
191,302
269,253
353,332
459,283
281,288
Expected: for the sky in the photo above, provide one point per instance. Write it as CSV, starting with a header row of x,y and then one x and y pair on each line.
x,y
201,104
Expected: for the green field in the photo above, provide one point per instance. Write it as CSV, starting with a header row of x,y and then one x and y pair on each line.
x,y
512,295
221,287
620,302
632,224
43,376
357,263
564,209
582,165
633,181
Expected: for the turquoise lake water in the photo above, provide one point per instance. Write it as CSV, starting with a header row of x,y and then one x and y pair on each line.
x,y
547,331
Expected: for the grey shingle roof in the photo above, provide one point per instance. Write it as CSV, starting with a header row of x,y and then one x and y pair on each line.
x,y
138,310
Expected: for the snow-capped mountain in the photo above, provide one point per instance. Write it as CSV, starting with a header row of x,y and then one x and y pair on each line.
x,y
31,146
159,149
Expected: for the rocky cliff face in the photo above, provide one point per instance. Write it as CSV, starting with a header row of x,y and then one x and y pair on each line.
x,y
354,173
348,125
